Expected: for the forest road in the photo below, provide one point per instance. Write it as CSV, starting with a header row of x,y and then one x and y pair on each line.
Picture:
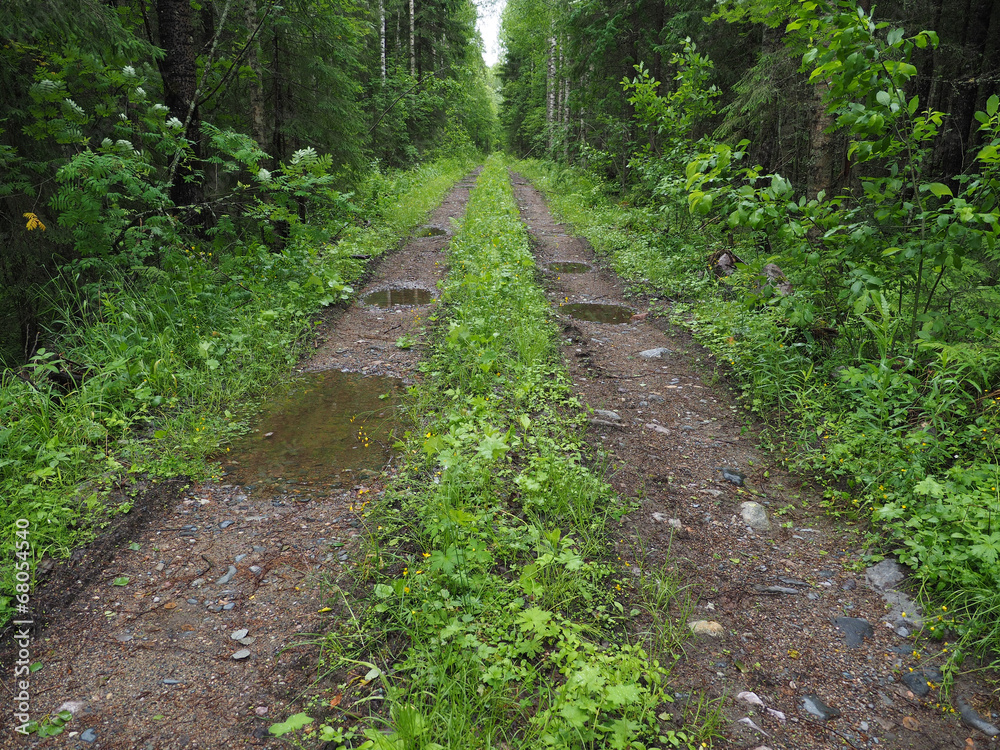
x,y
783,611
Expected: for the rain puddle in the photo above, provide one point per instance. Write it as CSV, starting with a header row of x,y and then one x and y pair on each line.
x,y
597,313
566,266
430,231
329,429
398,296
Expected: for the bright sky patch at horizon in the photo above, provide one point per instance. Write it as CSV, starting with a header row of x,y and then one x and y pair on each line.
x,y
488,24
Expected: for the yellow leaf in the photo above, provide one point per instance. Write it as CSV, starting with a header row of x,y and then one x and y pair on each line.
x,y
33,222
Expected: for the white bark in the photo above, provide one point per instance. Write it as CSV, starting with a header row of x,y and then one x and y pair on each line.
x,y
413,42
381,32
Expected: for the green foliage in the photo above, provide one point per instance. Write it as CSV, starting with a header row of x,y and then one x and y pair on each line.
x,y
503,609
158,361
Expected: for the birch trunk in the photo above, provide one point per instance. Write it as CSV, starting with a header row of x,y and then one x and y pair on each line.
x,y
413,41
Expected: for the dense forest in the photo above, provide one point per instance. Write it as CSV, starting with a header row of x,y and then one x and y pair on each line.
x,y
812,185
132,127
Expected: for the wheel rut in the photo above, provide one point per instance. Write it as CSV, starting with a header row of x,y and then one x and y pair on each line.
x,y
785,613
196,632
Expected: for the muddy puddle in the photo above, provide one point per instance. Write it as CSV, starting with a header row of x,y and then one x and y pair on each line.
x,y
430,231
598,313
328,429
567,266
398,296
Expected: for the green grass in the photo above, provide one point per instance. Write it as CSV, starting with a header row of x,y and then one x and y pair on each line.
x,y
903,439
170,357
497,618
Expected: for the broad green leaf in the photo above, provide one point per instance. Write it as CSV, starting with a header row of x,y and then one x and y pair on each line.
x,y
939,189
291,724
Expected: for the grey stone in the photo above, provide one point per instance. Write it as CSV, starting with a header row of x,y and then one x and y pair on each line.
x,y
812,596
825,573
257,548
248,640
242,654
917,682
855,630
227,577
256,570
755,516
192,601
885,576
226,524
813,705
776,590
974,720
237,634
792,581
611,416
228,606
88,735
240,558
849,585
731,475
657,353
171,681
197,583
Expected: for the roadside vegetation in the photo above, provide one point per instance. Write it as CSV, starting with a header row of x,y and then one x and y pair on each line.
x,y
154,371
499,613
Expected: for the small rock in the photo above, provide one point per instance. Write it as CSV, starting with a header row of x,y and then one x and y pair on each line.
x,y
885,576
171,681
707,627
749,722
792,581
160,567
731,475
227,577
825,573
855,630
974,720
257,548
228,606
248,640
226,524
268,435
260,710
755,516
88,735
256,570
813,705
776,590
243,653
812,596
197,583
611,416
713,493
849,585
237,634
752,698
657,353
917,682
240,558
658,428
192,601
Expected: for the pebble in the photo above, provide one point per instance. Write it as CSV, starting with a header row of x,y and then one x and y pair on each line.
x,y
776,590
731,475
706,627
88,735
237,634
160,566
171,681
612,416
240,558
818,708
228,606
657,353
849,585
974,720
917,681
226,524
227,577
258,548
197,583
755,516
855,630
243,653
192,601
256,570
885,576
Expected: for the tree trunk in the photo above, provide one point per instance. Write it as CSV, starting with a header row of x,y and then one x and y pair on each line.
x,y
413,41
179,72
381,33
550,110
258,128
821,144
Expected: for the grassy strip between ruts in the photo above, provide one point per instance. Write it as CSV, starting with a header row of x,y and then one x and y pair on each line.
x,y
161,361
908,441
489,555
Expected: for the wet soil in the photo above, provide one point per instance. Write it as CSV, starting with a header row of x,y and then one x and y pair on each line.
x,y
668,426
139,640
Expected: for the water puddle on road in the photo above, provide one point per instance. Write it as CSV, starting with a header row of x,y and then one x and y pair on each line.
x,y
567,267
598,313
329,429
430,231
398,296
